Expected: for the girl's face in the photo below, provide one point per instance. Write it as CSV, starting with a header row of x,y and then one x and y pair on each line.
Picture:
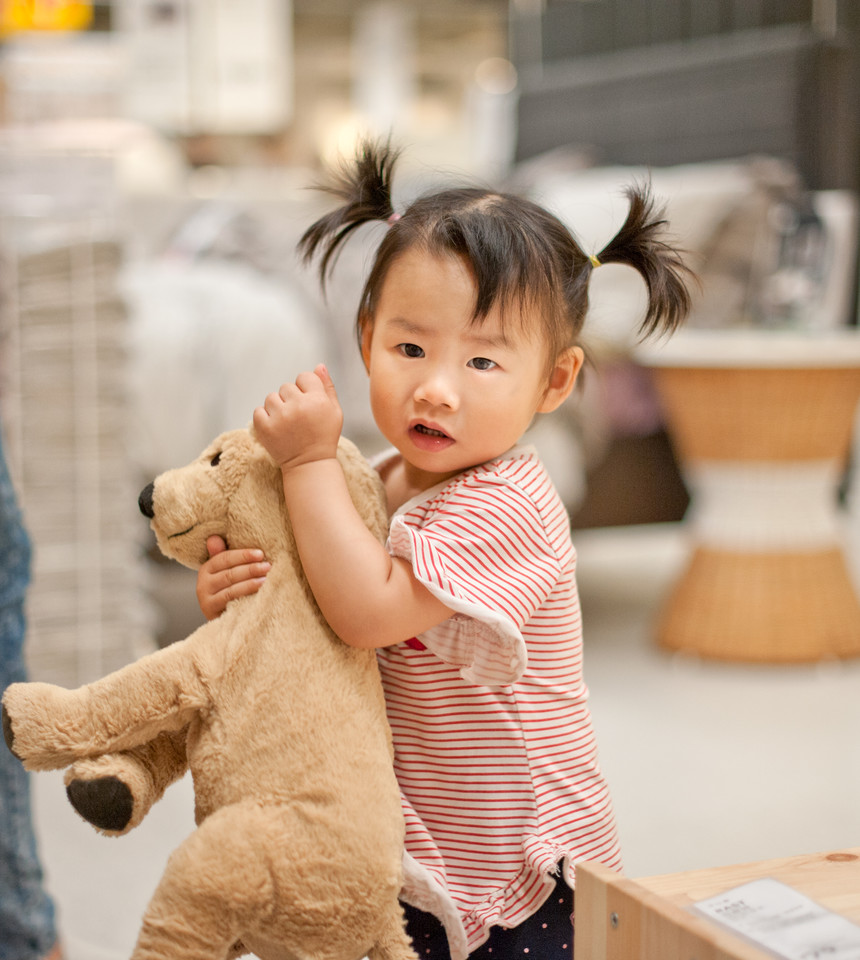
x,y
446,392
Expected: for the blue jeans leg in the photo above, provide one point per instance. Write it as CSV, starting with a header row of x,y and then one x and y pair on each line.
x,y
27,925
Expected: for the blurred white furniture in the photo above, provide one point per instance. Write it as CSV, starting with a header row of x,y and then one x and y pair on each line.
x,y
65,411
762,423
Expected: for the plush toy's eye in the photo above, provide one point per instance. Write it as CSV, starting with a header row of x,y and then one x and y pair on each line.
x,y
215,460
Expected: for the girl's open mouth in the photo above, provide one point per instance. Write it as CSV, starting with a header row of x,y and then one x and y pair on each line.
x,y
429,438
429,431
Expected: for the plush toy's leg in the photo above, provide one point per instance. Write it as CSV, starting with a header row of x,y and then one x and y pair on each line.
x,y
393,942
115,792
259,874
216,885
49,727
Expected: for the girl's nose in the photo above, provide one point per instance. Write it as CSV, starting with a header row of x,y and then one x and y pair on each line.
x,y
437,390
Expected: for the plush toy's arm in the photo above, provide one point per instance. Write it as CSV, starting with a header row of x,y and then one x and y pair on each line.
x,y
115,792
49,727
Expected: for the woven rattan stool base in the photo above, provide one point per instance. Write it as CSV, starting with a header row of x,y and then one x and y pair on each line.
x,y
763,607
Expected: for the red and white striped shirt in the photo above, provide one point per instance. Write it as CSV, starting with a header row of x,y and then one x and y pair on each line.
x,y
494,748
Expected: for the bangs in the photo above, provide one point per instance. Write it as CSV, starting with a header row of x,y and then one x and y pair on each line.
x,y
515,263
522,259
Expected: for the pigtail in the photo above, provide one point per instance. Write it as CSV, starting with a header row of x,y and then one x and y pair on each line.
x,y
639,244
364,186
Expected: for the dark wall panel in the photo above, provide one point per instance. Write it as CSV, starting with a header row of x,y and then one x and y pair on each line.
x,y
761,91
575,28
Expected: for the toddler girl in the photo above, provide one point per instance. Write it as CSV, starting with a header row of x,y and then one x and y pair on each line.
x,y
468,326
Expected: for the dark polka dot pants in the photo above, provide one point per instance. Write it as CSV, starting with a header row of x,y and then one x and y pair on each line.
x,y
545,935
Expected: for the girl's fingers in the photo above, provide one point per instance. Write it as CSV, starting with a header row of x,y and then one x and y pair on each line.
x,y
259,418
325,378
235,575
227,559
242,588
217,587
307,382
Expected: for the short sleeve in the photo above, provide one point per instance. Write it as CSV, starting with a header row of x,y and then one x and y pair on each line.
x,y
483,550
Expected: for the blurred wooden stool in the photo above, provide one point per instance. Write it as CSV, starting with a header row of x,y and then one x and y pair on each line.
x,y
762,423
649,918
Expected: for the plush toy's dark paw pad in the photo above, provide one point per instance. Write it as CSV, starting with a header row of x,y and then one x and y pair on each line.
x,y
107,802
8,734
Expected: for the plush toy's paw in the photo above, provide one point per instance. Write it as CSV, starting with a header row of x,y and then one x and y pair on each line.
x,y
37,725
113,792
107,803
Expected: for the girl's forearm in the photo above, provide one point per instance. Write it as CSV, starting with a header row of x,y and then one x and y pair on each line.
x,y
369,598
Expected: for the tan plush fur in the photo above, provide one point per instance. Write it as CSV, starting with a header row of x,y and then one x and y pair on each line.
x,y
297,851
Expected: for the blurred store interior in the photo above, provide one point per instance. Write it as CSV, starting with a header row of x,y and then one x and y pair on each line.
x,y
155,160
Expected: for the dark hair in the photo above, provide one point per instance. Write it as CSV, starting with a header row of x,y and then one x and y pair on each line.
x,y
520,253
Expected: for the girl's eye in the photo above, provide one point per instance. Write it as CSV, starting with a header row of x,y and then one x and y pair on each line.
x,y
411,350
482,363
215,460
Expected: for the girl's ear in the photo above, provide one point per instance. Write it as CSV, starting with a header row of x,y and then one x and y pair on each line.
x,y
562,379
366,337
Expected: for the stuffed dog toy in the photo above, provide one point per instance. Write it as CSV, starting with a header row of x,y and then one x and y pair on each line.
x,y
299,838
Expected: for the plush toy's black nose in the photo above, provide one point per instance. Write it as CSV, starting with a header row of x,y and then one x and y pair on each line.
x,y
144,501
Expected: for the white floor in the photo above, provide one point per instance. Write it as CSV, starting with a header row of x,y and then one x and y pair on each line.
x,y
709,763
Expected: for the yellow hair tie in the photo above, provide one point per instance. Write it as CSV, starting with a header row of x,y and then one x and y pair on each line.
x,y
594,261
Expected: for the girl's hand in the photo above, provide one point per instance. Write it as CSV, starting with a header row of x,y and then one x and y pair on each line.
x,y
228,574
302,422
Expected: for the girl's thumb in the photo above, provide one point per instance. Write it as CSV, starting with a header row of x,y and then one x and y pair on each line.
x,y
215,544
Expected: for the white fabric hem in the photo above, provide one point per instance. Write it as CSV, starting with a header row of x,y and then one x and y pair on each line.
x,y
505,635
423,891
510,656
